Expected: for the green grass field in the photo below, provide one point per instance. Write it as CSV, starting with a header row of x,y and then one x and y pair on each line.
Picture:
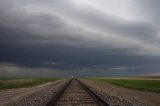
x,y
144,85
9,83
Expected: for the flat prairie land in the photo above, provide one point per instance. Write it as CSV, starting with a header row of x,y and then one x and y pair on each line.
x,y
141,83
10,83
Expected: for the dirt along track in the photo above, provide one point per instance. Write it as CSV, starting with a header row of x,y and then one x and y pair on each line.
x,y
76,94
32,96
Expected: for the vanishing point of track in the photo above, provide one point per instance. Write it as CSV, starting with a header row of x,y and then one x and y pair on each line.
x,y
75,93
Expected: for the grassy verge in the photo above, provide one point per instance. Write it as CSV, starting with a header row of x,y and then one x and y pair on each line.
x,y
144,85
9,83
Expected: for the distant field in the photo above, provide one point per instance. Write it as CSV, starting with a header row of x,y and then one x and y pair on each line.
x,y
9,83
138,84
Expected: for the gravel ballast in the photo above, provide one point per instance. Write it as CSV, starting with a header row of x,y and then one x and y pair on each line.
x,y
42,94
34,96
119,96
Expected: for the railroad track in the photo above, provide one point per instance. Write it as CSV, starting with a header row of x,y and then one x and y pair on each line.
x,y
75,93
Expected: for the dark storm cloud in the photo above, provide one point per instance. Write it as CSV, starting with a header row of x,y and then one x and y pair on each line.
x,y
52,29
38,34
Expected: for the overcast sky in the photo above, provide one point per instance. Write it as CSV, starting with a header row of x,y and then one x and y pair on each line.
x,y
79,37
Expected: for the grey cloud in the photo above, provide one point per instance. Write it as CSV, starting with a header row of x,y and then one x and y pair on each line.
x,y
149,9
98,20
19,71
92,18
40,29
35,33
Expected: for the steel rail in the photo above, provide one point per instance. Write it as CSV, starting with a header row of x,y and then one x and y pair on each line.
x,y
99,100
53,100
